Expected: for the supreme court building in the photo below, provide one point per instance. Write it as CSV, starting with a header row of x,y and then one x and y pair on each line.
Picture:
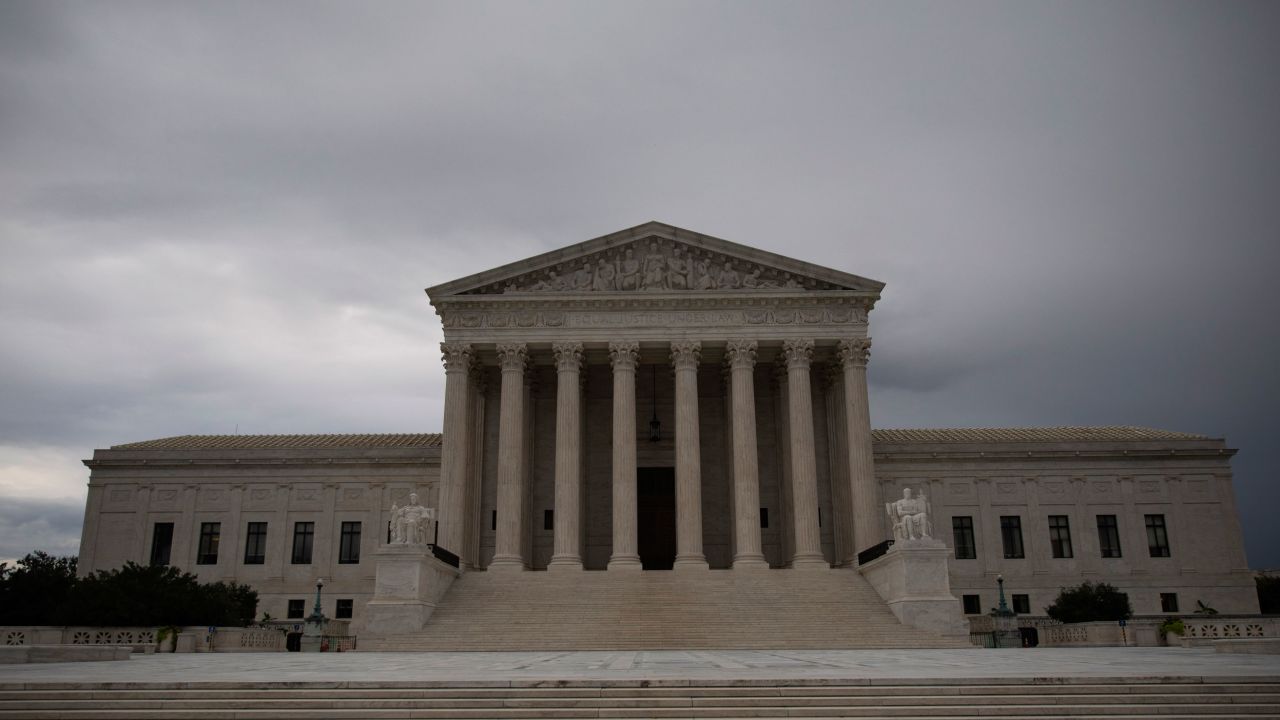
x,y
661,400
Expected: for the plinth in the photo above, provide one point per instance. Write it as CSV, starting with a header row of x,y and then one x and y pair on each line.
x,y
912,578
409,583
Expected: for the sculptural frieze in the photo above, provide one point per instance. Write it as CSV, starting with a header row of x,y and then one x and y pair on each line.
x,y
654,265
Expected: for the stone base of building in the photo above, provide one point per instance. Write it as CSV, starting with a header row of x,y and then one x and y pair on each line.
x,y
914,582
409,583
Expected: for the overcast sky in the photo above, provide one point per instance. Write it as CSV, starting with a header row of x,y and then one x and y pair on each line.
x,y
221,216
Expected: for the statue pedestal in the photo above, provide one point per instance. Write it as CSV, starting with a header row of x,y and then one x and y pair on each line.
x,y
409,583
912,578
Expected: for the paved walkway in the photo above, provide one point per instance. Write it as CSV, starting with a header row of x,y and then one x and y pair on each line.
x,y
664,667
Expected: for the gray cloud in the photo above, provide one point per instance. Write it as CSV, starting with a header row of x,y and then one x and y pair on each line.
x,y
223,215
28,525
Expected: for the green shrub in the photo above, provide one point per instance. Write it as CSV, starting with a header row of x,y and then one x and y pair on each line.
x,y
31,592
1173,625
1089,603
1268,593
140,595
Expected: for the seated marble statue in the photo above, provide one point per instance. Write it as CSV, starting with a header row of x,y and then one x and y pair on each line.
x,y
910,517
409,523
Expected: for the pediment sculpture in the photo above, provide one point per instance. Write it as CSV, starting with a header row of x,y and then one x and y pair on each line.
x,y
654,265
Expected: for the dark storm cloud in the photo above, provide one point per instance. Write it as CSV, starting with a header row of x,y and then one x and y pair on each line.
x,y
222,215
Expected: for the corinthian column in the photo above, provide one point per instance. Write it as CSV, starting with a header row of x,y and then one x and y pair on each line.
x,y
685,356
741,357
454,465
507,551
567,554
862,481
624,356
804,463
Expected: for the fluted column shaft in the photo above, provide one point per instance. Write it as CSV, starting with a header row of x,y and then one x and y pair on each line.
x,y
804,463
741,357
454,465
685,356
853,355
567,553
624,357
508,546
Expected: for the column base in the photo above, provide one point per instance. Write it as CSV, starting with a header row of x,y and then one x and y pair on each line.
x,y
506,564
691,562
626,563
810,562
750,562
565,563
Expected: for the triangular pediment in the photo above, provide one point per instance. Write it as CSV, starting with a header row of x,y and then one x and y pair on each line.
x,y
655,257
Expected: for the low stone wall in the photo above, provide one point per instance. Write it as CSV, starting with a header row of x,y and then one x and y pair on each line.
x,y
1201,631
1137,632
144,639
18,654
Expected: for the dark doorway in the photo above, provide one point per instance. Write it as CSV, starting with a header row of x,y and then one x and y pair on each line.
x,y
656,517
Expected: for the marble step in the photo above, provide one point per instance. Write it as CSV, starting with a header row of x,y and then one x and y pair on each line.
x,y
654,610
1168,698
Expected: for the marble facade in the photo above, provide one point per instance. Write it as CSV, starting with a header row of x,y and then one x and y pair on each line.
x,y
754,367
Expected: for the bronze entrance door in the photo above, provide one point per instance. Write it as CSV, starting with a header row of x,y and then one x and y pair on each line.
x,y
656,517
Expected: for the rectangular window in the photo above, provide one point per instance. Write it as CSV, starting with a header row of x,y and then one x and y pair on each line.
x,y
1060,536
764,517
349,544
1108,536
295,609
548,519
210,533
1157,536
972,604
303,537
161,543
962,532
255,544
1011,536
343,610
493,520
1168,602
1022,604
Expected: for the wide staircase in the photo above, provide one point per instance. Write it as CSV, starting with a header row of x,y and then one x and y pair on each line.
x,y
1010,699
717,609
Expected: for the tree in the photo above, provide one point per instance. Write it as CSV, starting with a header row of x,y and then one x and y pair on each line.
x,y
1268,593
31,592
1090,602
156,595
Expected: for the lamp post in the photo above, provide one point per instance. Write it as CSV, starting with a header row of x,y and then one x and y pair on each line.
x,y
1005,623
1004,607
317,614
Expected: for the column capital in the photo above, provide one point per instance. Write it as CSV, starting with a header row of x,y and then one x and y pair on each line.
x,y
854,352
799,353
685,354
457,356
568,356
740,354
512,356
624,355
832,374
